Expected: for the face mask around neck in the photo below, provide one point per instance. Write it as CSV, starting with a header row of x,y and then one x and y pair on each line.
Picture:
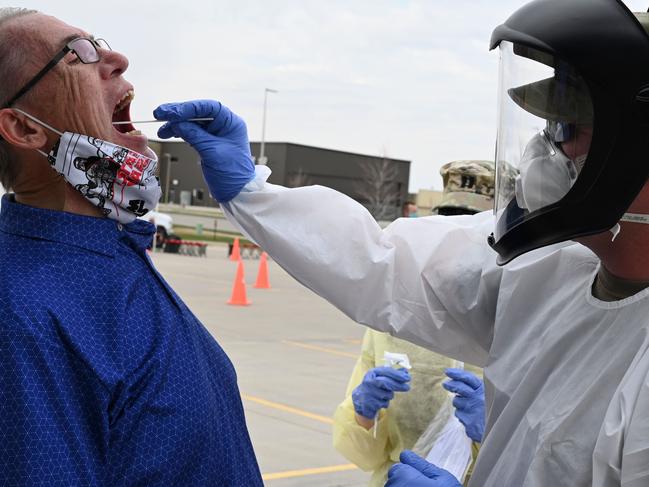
x,y
119,181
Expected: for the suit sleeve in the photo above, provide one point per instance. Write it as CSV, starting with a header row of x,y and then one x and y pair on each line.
x,y
432,281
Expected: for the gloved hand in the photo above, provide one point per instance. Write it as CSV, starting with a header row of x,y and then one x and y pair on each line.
x,y
222,143
414,471
468,402
378,388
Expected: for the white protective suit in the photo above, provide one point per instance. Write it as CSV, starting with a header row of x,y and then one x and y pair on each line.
x,y
566,374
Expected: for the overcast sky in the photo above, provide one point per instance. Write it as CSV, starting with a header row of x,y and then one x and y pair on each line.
x,y
411,79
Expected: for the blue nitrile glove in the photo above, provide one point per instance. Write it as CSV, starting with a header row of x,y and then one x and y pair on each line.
x,y
378,388
468,402
414,471
222,143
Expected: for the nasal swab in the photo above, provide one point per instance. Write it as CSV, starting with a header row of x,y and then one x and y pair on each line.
x,y
207,119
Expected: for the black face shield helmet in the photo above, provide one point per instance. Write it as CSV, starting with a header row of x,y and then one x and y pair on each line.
x,y
573,136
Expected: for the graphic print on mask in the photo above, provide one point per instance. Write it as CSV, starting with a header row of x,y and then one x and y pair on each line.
x,y
120,182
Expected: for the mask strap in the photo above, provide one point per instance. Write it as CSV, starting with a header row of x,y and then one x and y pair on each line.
x,y
629,218
40,122
635,218
34,119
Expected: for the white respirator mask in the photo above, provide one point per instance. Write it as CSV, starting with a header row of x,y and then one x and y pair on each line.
x,y
122,183
546,174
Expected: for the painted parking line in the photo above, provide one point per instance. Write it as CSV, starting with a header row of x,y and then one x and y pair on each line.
x,y
288,409
308,471
317,348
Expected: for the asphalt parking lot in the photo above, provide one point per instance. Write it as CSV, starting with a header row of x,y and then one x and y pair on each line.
x,y
293,353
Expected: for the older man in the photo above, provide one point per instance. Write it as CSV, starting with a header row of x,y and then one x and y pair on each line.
x,y
106,378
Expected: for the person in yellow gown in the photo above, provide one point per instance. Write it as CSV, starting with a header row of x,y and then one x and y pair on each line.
x,y
413,398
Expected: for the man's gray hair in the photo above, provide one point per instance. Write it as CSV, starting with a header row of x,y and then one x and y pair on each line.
x,y
11,59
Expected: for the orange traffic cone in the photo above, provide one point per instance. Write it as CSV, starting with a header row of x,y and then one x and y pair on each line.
x,y
262,275
236,253
239,297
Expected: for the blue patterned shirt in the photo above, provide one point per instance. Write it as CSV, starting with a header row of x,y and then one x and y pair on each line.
x,y
106,377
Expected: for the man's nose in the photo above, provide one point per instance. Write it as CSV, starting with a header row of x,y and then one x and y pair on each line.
x,y
112,64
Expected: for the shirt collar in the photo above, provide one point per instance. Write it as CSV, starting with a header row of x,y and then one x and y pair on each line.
x,y
101,235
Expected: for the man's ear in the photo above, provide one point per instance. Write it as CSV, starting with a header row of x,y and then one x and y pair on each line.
x,y
20,131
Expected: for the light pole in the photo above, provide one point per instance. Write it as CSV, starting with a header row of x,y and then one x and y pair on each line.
x,y
168,159
262,152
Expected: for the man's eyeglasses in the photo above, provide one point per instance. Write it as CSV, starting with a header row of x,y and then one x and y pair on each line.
x,y
560,131
86,50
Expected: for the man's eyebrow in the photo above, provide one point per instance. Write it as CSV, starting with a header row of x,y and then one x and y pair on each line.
x,y
72,37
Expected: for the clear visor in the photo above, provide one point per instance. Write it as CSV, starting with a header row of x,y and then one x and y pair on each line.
x,y
545,129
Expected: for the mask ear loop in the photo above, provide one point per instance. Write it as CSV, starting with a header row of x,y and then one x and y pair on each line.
x,y
629,218
635,218
34,119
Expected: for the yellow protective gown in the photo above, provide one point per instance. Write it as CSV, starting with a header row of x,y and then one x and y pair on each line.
x,y
400,425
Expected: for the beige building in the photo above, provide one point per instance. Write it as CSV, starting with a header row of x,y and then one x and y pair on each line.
x,y
427,200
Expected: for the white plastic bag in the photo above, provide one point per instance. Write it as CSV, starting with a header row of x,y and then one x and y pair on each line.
x,y
444,443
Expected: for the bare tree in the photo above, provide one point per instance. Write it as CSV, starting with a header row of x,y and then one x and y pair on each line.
x,y
297,179
379,188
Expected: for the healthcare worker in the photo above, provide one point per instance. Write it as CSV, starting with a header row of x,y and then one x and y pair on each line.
x,y
404,416
404,403
562,332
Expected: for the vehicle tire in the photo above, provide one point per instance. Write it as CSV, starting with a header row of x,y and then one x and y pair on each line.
x,y
172,244
160,236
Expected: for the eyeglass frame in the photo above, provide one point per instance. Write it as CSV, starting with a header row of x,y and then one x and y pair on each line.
x,y
560,132
55,60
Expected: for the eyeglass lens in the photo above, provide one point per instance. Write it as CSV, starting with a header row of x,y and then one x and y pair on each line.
x,y
87,50
560,131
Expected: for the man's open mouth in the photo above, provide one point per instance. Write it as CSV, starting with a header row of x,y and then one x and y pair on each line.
x,y
122,113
